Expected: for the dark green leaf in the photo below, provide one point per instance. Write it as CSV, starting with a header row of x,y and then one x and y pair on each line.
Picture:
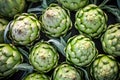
x,y
114,10
6,40
24,67
118,3
25,54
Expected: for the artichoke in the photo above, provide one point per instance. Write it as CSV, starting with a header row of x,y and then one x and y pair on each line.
x,y
25,29
111,40
56,21
73,4
80,51
67,72
105,67
91,21
9,8
3,24
36,76
10,57
43,57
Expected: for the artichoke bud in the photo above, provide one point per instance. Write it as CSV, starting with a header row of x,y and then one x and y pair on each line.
x,y
43,57
36,76
10,57
91,20
9,8
25,29
56,22
80,51
104,67
73,5
66,72
111,40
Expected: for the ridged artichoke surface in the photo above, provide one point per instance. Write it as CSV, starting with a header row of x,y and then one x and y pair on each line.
x,y
25,29
111,40
73,4
66,72
36,76
43,57
80,51
9,8
56,21
91,21
9,58
105,67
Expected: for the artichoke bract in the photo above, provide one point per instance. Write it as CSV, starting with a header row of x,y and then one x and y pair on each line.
x,y
73,4
91,21
80,51
105,67
9,58
36,76
111,40
67,72
3,24
25,29
43,57
56,21
9,8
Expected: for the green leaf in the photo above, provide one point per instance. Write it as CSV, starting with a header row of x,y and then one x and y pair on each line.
x,y
85,73
118,3
114,10
25,53
93,1
6,40
63,41
58,45
103,3
67,37
24,67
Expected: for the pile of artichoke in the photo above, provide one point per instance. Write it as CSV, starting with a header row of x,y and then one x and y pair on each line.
x,y
59,40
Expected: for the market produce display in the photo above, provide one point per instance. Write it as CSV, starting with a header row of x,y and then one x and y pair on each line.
x,y
59,40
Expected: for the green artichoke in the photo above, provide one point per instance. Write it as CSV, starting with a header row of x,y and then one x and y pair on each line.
x,y
9,58
80,51
67,72
43,57
56,21
105,67
111,40
25,29
3,24
36,76
9,8
73,4
91,21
